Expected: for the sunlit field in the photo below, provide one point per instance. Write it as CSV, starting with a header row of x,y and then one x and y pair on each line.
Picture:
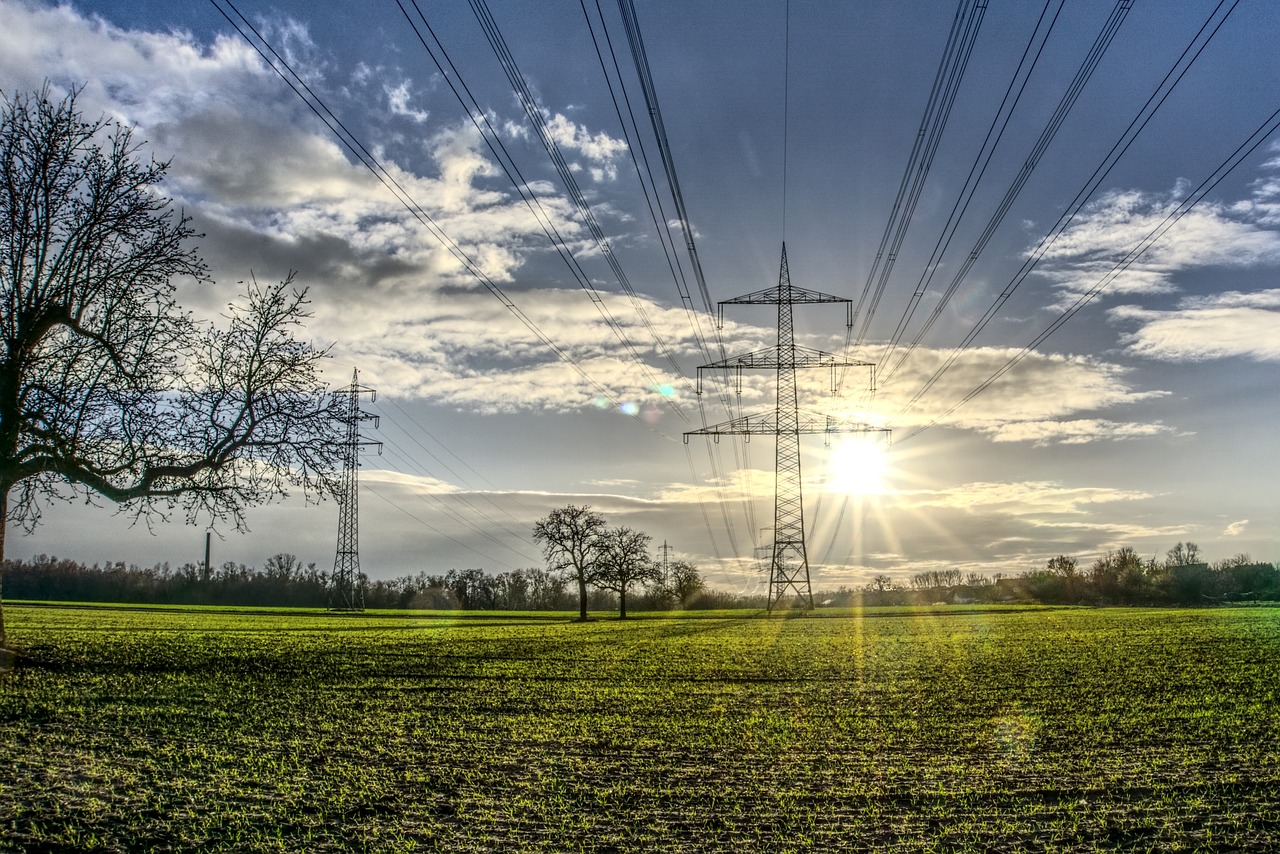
x,y
904,730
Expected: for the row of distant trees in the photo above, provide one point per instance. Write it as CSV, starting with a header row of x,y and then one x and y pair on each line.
x,y
1117,578
285,581
1120,577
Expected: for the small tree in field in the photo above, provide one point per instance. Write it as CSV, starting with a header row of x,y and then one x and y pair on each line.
x,y
107,387
684,583
570,538
624,563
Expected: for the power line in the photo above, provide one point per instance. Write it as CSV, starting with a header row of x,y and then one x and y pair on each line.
x,y
1126,139
665,236
460,497
440,503
1188,202
294,81
976,172
632,26
531,199
424,523
1082,76
946,85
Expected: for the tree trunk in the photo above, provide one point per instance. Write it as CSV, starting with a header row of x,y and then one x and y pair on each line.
x,y
4,525
582,599
622,603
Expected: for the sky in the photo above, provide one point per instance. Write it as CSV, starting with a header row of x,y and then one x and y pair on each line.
x,y
559,364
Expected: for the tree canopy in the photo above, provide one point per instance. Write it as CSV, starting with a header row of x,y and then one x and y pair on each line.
x,y
107,387
570,539
624,562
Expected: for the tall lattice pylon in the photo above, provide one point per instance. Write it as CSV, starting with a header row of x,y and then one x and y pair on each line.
x,y
789,559
348,588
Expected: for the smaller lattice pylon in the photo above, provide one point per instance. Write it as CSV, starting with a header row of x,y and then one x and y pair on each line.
x,y
348,587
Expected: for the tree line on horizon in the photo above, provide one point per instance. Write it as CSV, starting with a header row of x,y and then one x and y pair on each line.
x,y
1117,578
1120,577
285,581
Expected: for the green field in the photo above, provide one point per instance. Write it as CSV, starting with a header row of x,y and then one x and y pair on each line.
x,y
941,729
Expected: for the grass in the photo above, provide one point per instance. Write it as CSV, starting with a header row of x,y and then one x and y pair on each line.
x,y
891,730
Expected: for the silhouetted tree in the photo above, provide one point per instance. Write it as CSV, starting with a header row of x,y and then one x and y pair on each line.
x,y
1067,569
546,589
685,583
108,388
624,562
570,538
1183,554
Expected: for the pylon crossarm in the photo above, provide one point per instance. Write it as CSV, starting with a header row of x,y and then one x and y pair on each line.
x,y
766,424
804,357
777,294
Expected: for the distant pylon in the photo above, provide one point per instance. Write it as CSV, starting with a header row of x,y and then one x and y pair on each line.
x,y
789,559
348,590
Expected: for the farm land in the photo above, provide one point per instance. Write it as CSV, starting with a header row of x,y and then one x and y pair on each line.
x,y
932,729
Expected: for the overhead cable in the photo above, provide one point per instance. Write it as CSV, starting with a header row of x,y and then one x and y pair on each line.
x,y
946,85
1170,80
1188,202
995,132
524,188
294,81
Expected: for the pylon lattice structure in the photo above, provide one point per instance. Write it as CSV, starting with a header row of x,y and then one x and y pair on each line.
x,y
789,560
348,587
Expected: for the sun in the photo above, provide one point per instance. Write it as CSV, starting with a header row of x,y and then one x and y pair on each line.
x,y
858,465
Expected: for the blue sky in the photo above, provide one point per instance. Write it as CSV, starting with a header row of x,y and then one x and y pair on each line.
x,y
1145,420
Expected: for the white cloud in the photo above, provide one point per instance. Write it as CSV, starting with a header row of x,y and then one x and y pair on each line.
x,y
274,191
398,98
602,150
1028,498
1235,529
1071,432
1212,234
1221,326
1036,401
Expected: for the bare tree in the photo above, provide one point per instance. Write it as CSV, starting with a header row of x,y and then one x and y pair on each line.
x,y
684,582
1183,554
570,538
624,563
107,387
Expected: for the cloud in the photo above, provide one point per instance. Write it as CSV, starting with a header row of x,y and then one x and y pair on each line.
x,y
398,100
1029,498
1210,235
274,191
1038,401
1235,529
1226,325
1075,432
602,150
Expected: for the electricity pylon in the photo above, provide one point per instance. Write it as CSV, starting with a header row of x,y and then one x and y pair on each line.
x,y
789,559
348,592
